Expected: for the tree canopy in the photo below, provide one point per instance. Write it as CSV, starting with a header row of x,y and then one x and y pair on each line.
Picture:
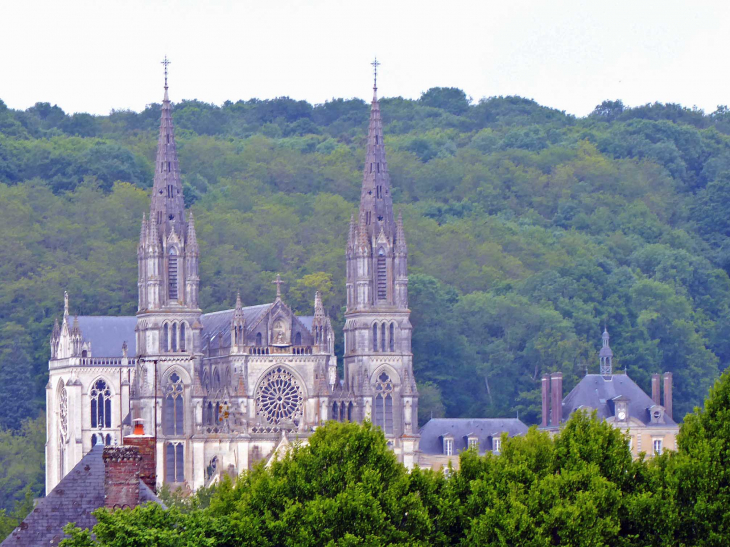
x,y
528,229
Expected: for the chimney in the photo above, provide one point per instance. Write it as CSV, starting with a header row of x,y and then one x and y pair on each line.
x,y
556,392
545,400
668,394
121,476
146,446
655,384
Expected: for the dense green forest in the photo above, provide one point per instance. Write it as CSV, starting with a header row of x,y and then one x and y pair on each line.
x,y
346,488
528,229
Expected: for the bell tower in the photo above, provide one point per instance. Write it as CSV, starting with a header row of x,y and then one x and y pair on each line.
x,y
378,362
168,316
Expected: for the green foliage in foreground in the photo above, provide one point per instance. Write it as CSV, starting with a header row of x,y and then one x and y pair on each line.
x,y
346,488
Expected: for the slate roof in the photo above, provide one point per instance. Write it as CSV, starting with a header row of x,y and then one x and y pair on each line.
x,y
107,334
482,428
74,498
595,391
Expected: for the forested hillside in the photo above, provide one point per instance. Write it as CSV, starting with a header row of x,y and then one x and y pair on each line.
x,y
528,229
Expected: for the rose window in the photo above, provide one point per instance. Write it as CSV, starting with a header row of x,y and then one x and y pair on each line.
x,y
63,414
279,397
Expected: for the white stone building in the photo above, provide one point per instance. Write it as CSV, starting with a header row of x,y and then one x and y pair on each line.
x,y
224,388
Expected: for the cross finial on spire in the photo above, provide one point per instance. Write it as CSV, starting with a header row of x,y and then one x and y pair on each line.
x,y
375,65
166,62
278,283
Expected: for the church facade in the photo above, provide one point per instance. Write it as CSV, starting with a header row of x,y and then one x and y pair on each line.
x,y
224,389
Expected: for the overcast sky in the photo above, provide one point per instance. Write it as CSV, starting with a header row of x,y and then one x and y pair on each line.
x,y
98,55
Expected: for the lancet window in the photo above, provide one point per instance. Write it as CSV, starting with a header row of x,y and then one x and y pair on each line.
x,y
101,405
384,403
173,406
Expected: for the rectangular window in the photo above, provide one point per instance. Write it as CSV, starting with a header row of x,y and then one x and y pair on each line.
x,y
174,462
496,445
448,447
473,443
657,446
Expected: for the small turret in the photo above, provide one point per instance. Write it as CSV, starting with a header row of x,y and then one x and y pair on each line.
x,y
238,326
400,236
606,355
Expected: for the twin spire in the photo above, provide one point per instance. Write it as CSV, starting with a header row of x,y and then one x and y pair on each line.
x,y
167,208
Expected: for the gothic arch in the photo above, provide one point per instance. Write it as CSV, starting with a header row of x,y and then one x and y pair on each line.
x,y
108,383
390,371
280,395
298,377
165,377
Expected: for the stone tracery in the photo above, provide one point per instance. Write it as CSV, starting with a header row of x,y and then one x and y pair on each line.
x,y
279,397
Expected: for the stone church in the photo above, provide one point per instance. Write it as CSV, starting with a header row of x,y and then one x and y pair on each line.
x,y
224,389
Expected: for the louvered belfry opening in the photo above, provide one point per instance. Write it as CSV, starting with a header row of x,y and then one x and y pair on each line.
x,y
172,275
382,279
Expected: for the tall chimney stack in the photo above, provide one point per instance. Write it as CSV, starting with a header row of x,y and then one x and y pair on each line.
x,y
121,476
545,400
556,393
668,394
655,384
146,446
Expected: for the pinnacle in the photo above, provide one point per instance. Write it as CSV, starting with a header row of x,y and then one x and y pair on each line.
x,y
239,305
318,307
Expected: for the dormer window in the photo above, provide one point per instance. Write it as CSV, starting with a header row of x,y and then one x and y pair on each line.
x,y
656,414
472,443
497,445
448,446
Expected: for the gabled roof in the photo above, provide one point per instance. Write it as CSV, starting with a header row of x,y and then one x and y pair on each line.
x,y
595,391
219,322
107,333
484,429
73,499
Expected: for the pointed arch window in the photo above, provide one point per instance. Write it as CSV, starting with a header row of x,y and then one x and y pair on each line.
x,y
384,403
164,346
173,406
101,405
298,339
182,336
209,414
391,339
173,338
375,337
172,274
258,339
382,337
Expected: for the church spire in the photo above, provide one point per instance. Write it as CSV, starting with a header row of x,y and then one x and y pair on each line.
x,y
376,205
167,207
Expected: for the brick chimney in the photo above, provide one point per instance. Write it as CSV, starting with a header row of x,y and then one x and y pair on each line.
x,y
655,384
121,476
556,392
668,394
146,446
545,400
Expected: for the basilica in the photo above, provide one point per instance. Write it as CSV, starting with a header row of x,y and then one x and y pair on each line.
x,y
221,391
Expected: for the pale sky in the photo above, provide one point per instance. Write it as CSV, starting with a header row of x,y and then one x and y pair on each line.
x,y
98,55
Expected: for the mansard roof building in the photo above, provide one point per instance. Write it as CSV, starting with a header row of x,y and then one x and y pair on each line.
x,y
222,390
618,400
